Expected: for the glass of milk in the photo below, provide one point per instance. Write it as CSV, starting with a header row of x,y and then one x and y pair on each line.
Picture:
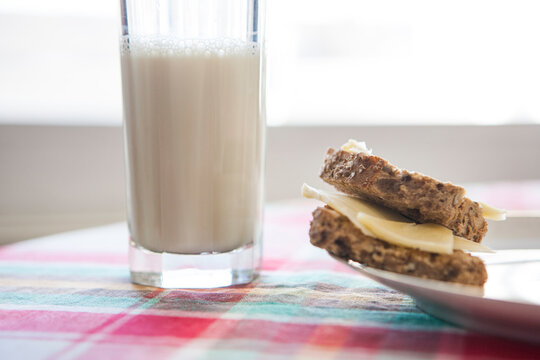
x,y
194,122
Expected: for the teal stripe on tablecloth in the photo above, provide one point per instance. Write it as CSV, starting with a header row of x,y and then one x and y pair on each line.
x,y
66,300
65,271
411,318
283,279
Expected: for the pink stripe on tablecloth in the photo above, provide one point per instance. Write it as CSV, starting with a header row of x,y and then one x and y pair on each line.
x,y
329,336
296,219
174,330
64,257
52,321
155,326
273,264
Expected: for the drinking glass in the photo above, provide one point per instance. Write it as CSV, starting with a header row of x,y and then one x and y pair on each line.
x,y
193,81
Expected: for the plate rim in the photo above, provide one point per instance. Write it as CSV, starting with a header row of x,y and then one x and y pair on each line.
x,y
449,302
469,291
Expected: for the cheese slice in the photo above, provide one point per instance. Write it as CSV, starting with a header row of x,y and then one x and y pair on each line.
x,y
468,245
492,213
388,225
351,207
427,237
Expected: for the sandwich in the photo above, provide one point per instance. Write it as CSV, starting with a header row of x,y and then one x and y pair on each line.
x,y
397,220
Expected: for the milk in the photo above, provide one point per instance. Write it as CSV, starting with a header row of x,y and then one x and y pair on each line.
x,y
194,143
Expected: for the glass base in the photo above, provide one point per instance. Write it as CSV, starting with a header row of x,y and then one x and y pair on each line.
x,y
201,271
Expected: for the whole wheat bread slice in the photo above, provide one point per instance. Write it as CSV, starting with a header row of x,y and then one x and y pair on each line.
x,y
335,233
419,197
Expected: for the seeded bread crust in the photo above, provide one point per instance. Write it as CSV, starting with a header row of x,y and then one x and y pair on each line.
x,y
419,197
335,233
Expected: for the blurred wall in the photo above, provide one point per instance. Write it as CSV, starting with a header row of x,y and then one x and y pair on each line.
x,y
57,178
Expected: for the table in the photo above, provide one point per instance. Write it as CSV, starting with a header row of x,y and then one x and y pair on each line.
x,y
69,296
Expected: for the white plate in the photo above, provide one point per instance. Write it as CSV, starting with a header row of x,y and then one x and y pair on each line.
x,y
508,305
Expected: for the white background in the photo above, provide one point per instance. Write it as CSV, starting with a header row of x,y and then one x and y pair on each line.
x,y
329,62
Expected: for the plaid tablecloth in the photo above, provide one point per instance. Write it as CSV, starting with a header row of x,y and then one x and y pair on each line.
x,y
69,296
